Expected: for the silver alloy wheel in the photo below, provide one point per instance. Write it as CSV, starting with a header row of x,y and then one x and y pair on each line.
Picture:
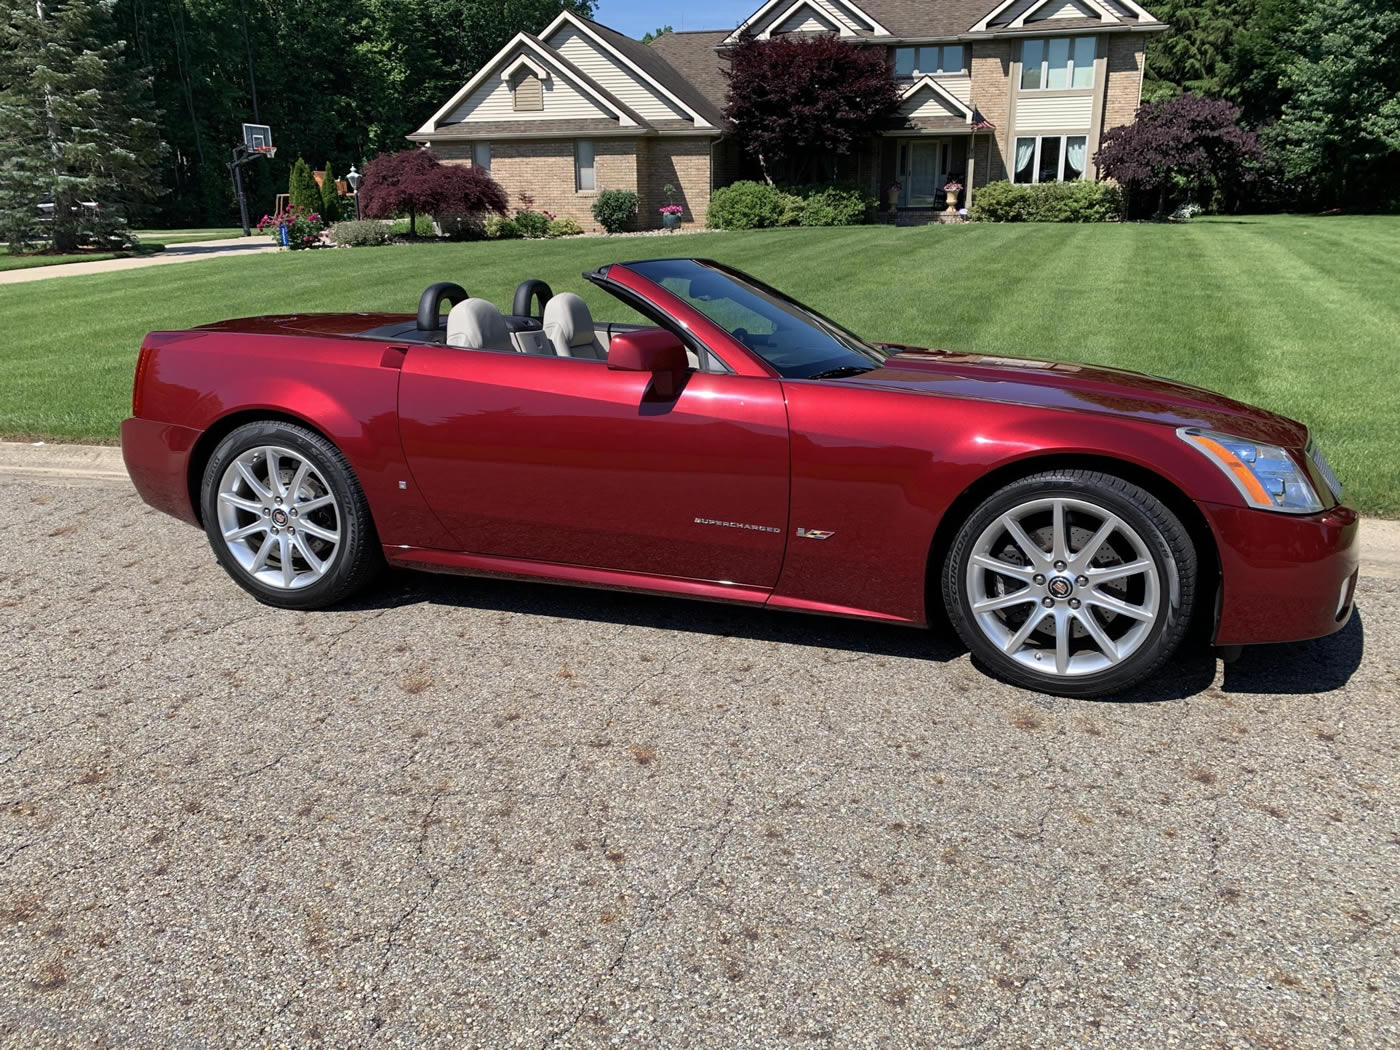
x,y
278,517
1063,586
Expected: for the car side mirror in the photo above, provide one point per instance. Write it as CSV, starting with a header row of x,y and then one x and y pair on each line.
x,y
654,350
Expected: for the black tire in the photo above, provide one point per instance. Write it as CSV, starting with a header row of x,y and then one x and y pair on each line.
x,y
1160,537
356,559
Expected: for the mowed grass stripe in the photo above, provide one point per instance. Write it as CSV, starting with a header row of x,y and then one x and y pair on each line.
x,y
1296,314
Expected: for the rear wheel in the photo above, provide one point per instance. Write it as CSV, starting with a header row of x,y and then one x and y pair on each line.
x,y
287,518
1071,582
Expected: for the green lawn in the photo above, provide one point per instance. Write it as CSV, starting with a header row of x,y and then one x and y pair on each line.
x,y
1301,315
186,236
28,262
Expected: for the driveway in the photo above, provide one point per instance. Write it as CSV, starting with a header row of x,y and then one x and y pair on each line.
x,y
194,251
478,814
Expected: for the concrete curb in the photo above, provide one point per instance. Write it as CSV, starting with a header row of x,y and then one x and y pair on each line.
x,y
102,464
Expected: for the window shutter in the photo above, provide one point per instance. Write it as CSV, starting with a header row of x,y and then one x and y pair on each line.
x,y
529,93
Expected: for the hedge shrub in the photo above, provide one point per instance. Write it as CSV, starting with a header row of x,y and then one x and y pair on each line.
x,y
615,209
828,204
755,205
532,223
564,227
498,227
746,205
360,233
1079,201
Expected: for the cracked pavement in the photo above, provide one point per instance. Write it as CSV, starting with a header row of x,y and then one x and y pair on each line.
x,y
472,813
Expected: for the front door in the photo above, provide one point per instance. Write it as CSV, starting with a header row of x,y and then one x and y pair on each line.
x,y
924,172
563,460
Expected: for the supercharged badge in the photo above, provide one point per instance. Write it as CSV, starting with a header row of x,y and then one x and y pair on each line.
x,y
736,525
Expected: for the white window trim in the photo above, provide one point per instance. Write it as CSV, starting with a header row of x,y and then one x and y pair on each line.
x,y
932,72
578,168
1044,42
1064,138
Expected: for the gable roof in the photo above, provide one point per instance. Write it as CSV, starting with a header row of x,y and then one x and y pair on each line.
x,y
694,58
524,42
926,82
852,18
649,64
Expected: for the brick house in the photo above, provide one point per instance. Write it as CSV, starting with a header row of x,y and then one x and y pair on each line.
x,y
1020,91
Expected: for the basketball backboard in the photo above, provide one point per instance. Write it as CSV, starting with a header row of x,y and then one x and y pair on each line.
x,y
257,138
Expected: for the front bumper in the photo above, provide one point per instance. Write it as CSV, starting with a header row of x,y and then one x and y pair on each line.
x,y
1283,577
157,457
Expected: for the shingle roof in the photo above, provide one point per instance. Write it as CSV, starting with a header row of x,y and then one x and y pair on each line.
x,y
527,129
657,66
927,18
692,55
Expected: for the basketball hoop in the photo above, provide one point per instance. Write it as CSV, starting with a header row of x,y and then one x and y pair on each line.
x,y
256,145
266,151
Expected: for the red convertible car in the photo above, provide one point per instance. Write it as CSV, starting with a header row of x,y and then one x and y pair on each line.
x,y
1072,521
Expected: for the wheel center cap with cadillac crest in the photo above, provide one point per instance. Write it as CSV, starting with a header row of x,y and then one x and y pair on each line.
x,y
279,517
1060,587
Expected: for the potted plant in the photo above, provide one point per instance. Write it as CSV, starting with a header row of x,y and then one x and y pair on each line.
x,y
671,212
892,194
952,189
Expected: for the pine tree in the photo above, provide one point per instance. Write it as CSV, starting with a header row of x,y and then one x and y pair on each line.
x,y
330,196
302,191
76,121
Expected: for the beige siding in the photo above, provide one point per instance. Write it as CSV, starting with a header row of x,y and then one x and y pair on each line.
x,y
1066,9
529,93
959,87
804,20
926,103
493,100
1057,113
606,70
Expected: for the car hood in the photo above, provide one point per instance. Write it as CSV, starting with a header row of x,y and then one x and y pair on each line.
x,y
1082,388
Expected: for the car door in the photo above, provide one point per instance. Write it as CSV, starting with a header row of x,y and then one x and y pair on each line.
x,y
563,460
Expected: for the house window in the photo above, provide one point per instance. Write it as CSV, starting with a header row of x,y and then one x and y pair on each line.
x,y
585,175
481,155
1058,63
1050,158
528,93
916,61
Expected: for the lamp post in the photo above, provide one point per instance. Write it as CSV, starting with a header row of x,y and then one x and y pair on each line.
x,y
353,179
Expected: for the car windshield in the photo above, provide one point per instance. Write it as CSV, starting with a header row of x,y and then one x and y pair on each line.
x,y
796,340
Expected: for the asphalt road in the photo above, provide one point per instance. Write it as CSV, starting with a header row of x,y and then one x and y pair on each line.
x,y
479,814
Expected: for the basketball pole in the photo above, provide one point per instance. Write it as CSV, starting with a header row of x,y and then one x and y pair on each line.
x,y
243,155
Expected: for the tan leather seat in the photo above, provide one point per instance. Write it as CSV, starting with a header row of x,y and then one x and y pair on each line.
x,y
478,324
569,327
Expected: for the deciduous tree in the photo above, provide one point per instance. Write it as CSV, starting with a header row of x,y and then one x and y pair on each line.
x,y
797,104
414,182
1188,141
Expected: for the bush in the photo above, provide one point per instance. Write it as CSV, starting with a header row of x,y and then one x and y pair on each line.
x,y
302,191
615,209
359,233
303,227
331,205
498,227
827,204
418,226
532,223
747,206
1079,201
565,227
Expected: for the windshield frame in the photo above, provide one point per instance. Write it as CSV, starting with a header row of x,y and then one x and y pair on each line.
x,y
860,352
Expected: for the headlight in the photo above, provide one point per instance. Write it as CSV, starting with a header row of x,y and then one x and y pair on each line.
x,y
1266,475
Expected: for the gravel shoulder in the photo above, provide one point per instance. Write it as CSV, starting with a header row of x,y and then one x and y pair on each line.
x,y
478,814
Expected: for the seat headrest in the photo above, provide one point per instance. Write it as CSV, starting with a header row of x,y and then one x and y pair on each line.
x,y
477,323
567,320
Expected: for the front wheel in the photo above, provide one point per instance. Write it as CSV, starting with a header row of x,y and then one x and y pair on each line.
x,y
286,516
1071,582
